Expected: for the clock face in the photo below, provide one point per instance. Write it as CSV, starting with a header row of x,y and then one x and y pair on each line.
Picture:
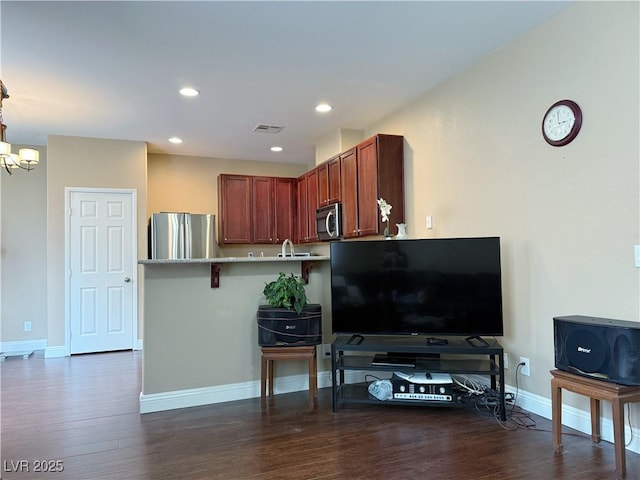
x,y
561,123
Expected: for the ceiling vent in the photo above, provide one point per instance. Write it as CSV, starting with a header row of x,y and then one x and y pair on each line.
x,y
261,127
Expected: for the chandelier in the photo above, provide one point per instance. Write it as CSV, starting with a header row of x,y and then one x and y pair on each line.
x,y
26,158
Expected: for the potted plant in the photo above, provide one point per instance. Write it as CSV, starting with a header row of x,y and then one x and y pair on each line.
x,y
288,319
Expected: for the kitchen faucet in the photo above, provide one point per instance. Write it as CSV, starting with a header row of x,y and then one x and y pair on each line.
x,y
284,247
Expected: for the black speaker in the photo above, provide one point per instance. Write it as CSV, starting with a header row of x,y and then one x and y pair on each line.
x,y
281,326
599,348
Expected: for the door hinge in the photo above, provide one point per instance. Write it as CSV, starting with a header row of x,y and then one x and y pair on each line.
x,y
69,211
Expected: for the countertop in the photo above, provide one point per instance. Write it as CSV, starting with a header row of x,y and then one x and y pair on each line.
x,y
311,258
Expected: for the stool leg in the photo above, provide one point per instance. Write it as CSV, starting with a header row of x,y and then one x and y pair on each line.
x,y
556,416
618,436
271,365
595,420
312,381
263,382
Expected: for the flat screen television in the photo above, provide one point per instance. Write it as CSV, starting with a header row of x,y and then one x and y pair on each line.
x,y
449,286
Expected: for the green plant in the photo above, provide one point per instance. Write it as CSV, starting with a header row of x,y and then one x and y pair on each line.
x,y
286,291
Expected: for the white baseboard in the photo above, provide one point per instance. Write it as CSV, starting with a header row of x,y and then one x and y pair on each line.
x,y
23,346
156,402
55,352
138,345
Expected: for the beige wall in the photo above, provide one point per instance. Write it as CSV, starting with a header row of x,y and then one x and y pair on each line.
x,y
23,247
568,217
190,184
87,162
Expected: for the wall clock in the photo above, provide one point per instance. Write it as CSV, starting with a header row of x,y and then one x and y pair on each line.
x,y
561,123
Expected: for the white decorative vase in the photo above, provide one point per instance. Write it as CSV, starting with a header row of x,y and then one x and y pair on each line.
x,y
402,230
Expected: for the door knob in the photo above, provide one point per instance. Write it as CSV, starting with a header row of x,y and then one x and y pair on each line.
x,y
127,279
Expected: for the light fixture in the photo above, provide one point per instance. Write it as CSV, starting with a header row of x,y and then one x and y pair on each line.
x,y
189,92
26,158
323,108
175,140
276,149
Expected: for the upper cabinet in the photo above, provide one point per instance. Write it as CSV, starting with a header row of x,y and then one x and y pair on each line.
x,y
373,170
307,203
329,182
284,205
256,209
234,209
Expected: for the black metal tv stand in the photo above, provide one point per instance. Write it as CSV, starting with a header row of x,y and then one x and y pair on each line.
x,y
457,356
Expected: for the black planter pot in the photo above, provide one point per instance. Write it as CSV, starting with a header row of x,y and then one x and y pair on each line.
x,y
283,326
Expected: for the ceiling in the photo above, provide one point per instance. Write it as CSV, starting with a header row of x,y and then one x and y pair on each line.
x,y
113,69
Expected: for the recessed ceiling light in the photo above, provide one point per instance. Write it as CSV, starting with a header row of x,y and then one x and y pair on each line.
x,y
323,107
276,149
189,92
175,140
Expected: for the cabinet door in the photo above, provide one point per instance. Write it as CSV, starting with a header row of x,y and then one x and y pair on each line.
x,y
303,209
234,200
368,211
323,184
262,210
284,211
349,193
312,199
333,169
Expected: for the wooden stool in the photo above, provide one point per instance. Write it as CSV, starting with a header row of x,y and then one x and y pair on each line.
x,y
272,354
596,390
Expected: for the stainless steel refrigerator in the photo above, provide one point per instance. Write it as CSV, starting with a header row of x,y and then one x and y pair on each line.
x,y
176,236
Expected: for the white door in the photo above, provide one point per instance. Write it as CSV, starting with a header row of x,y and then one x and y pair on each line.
x,y
101,262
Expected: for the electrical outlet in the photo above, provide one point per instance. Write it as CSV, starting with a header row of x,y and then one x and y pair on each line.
x,y
505,360
524,369
27,326
324,351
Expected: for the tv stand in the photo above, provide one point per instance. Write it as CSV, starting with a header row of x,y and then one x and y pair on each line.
x,y
457,356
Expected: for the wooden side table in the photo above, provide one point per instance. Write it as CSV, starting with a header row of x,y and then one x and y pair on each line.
x,y
596,390
273,354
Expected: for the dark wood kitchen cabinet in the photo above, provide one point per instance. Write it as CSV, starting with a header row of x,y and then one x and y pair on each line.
x,y
262,212
284,207
255,209
349,186
373,170
234,209
307,203
329,182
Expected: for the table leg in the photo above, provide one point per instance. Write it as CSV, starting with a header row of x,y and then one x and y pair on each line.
x,y
595,420
618,436
312,382
270,364
556,416
263,383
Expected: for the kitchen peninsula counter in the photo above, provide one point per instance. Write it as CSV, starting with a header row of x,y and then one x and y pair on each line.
x,y
200,344
310,258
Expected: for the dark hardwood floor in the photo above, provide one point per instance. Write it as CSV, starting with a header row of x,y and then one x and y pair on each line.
x,y
83,413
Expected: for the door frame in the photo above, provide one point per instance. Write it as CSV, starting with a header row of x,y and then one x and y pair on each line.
x,y
67,259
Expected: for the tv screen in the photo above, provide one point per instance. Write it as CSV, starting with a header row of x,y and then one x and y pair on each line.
x,y
448,286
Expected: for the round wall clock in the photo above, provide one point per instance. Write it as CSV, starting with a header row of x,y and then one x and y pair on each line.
x,y
561,123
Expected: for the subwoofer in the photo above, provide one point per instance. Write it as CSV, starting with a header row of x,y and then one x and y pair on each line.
x,y
600,348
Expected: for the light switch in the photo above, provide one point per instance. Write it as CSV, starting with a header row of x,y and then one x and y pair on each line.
x,y
429,222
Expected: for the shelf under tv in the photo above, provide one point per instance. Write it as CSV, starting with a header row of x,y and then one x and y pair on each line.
x,y
454,357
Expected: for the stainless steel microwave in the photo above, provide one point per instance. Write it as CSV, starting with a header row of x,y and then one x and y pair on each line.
x,y
329,222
